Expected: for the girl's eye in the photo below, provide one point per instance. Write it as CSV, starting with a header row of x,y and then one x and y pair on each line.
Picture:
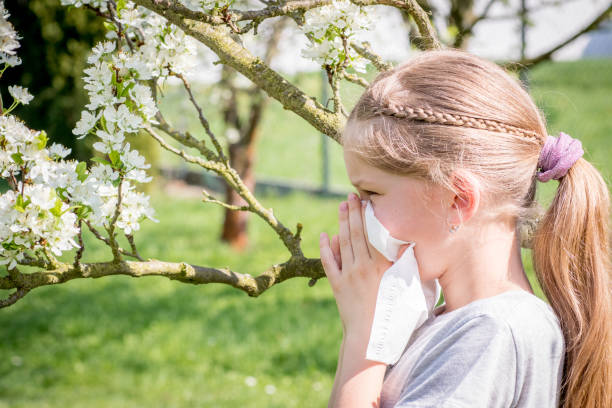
x,y
370,193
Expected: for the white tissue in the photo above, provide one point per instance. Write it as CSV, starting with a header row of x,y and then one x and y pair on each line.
x,y
403,303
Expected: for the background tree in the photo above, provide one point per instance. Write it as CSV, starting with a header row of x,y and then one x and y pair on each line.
x,y
58,39
242,136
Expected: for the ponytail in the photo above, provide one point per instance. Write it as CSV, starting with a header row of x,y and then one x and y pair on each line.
x,y
571,256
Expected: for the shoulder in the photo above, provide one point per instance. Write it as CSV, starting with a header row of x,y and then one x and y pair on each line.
x,y
525,324
530,321
487,353
516,312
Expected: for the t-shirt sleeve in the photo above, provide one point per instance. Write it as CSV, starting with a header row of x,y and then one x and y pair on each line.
x,y
472,364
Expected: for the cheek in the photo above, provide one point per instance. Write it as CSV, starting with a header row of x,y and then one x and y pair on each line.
x,y
412,224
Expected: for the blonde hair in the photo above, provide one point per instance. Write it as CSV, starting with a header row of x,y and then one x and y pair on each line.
x,y
446,110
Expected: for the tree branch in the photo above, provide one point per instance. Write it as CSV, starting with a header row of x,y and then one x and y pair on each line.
x,y
366,52
292,243
230,52
296,266
354,79
546,55
428,34
203,120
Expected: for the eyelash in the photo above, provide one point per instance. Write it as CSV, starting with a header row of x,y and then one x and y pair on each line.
x,y
370,193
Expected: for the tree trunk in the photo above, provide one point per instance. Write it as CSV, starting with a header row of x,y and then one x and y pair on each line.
x,y
242,158
242,152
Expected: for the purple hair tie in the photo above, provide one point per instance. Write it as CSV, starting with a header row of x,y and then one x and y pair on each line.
x,y
557,156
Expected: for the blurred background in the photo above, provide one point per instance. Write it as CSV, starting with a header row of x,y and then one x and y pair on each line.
x,y
126,342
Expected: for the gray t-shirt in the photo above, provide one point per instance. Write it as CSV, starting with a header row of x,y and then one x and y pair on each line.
x,y
501,351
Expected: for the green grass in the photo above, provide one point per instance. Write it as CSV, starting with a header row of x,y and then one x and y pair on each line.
x,y
120,341
125,342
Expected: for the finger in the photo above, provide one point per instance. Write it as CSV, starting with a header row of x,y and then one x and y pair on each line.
x,y
358,240
335,246
327,259
346,250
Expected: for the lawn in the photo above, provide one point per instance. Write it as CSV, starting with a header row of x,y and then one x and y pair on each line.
x,y
125,342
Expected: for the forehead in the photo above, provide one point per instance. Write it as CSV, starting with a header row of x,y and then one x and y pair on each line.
x,y
360,172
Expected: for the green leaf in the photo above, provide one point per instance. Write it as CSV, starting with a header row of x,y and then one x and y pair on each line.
x,y
57,210
121,5
110,26
81,169
82,211
19,204
114,158
127,89
42,139
99,160
10,245
60,192
17,157
103,122
115,83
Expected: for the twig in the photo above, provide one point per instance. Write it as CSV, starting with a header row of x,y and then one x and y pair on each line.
x,y
53,262
112,9
332,78
428,34
235,182
111,228
209,199
130,238
366,51
14,297
215,166
355,79
107,242
203,120
230,52
184,138
546,55
79,253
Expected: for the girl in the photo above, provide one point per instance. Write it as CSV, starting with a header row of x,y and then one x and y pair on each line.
x,y
448,149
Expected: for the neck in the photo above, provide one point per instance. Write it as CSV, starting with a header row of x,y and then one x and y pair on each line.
x,y
486,268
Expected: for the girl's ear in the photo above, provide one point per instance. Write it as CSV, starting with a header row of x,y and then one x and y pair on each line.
x,y
466,199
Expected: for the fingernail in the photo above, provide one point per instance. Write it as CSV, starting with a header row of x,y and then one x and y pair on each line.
x,y
322,236
352,196
343,206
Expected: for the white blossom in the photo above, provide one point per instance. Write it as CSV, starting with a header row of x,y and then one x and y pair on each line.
x,y
98,77
102,48
20,94
10,60
58,151
329,25
98,4
42,196
127,121
141,95
8,36
103,173
109,141
133,159
85,124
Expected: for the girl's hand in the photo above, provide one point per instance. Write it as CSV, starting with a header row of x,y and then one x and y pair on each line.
x,y
354,269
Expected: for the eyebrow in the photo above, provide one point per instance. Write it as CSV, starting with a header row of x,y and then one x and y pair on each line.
x,y
360,184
